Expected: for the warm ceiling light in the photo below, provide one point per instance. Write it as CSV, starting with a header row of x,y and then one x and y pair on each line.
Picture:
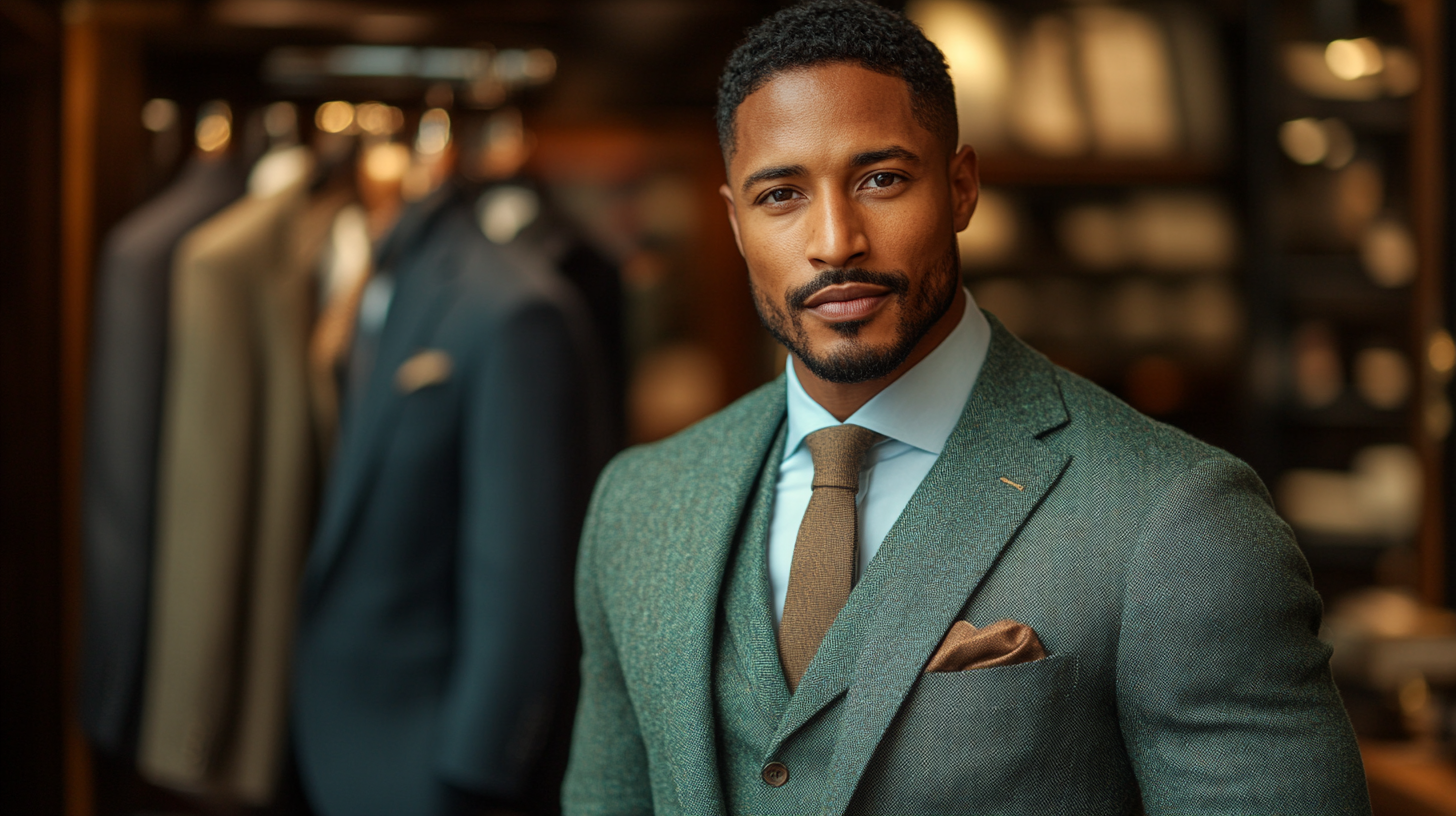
x,y
1353,59
334,117
214,127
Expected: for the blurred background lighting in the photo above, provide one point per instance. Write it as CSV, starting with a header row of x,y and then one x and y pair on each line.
x,y
1441,352
993,234
1304,140
1045,108
159,115
540,66
1353,59
1319,377
973,38
386,163
334,117
280,120
434,133
1402,74
379,120
214,127
1382,377
1388,253
1318,141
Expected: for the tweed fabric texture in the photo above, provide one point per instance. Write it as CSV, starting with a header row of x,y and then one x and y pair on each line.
x,y
1003,643
822,573
1182,674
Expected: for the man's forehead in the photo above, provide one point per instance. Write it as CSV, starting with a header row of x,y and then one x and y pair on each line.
x,y
824,113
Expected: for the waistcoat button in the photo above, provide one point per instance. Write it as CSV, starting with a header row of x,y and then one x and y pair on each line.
x,y
775,774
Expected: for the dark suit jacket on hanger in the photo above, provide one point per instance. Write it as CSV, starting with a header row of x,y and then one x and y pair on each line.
x,y
124,406
436,613
552,238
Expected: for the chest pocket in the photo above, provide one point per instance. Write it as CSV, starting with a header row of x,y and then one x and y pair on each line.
x,y
964,742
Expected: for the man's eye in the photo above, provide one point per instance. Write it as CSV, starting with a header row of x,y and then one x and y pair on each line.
x,y
883,180
780,196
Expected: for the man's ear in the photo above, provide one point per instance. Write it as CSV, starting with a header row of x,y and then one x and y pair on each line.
x,y
965,185
732,215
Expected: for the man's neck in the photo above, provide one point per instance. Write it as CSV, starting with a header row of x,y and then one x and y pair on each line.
x,y
841,400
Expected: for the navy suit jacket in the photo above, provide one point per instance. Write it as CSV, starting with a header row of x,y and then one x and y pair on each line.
x,y
436,629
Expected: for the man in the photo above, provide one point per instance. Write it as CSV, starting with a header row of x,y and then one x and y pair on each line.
x,y
927,571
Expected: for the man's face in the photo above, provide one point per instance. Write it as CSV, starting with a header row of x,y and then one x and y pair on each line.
x,y
846,209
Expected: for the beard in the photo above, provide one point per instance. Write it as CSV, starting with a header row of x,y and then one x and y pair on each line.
x,y
857,361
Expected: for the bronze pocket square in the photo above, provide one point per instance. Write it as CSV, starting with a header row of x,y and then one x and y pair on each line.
x,y
1003,643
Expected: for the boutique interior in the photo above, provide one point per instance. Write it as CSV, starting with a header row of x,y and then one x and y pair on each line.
x,y
1232,214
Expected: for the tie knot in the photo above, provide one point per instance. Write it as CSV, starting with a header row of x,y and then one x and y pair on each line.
x,y
838,452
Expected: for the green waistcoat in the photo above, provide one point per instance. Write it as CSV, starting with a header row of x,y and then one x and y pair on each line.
x,y
757,720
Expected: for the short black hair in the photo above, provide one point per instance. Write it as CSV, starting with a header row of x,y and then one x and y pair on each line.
x,y
826,31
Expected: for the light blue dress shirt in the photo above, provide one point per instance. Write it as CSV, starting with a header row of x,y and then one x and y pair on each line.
x,y
915,413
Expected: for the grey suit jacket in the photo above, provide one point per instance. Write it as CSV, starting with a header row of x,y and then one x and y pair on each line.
x,y
436,628
123,422
1183,668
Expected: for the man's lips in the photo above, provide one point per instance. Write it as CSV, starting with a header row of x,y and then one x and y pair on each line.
x,y
847,301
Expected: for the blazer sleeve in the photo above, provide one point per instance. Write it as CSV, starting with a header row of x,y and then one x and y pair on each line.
x,y
521,491
607,773
1224,692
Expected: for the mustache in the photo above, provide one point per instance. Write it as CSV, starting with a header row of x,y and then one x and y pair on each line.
x,y
897,282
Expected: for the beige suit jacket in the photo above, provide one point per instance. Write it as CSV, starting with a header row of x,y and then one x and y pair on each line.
x,y
236,496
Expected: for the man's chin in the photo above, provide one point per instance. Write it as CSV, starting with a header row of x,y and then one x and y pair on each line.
x,y
861,362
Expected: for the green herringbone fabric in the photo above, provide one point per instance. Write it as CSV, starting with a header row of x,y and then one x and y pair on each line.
x,y
1183,673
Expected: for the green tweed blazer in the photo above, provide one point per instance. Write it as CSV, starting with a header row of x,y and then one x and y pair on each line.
x,y
1183,675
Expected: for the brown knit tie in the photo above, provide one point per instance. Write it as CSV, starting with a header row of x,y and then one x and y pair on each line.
x,y
822,573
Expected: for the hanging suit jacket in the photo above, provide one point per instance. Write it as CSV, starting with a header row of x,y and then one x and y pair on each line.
x,y
554,240
236,497
436,627
1177,613
123,422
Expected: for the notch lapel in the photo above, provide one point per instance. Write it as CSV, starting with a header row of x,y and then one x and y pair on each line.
x,y
948,538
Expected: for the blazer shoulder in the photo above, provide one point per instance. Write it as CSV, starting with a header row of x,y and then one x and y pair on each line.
x,y
498,282
1108,430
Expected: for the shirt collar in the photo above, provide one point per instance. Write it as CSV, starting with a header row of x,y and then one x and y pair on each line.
x,y
921,408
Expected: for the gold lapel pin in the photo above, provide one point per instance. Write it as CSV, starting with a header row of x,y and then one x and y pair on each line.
x,y
1013,484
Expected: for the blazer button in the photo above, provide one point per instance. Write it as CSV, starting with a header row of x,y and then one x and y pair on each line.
x,y
775,774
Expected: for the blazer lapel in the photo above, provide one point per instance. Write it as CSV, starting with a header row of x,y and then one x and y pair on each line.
x,y
421,297
680,650
947,539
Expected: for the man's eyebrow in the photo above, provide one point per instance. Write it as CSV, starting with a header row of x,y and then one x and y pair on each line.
x,y
891,152
771,173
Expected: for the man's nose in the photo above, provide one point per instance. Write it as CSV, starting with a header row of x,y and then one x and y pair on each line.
x,y
837,236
